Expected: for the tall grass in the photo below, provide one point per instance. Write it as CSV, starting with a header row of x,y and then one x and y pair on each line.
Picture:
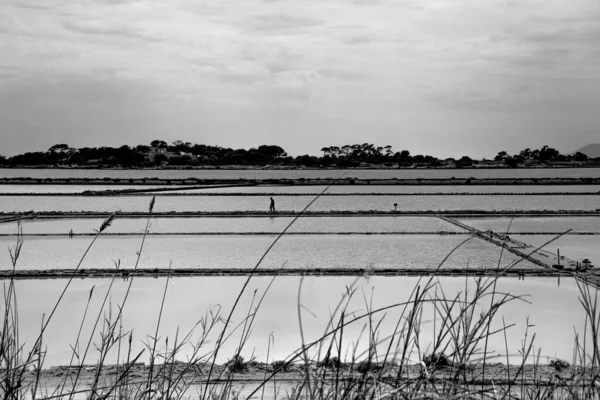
x,y
454,362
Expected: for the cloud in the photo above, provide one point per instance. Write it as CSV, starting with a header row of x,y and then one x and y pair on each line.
x,y
351,66
105,29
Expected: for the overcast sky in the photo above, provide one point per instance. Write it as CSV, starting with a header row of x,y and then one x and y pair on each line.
x,y
441,77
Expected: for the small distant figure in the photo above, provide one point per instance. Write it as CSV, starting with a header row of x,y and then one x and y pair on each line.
x,y
71,234
272,206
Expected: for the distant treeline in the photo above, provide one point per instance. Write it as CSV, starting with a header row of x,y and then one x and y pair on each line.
x,y
160,154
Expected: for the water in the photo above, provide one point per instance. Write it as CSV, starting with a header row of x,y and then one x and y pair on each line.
x,y
71,188
535,224
553,310
307,174
573,247
292,203
234,225
346,189
188,300
234,251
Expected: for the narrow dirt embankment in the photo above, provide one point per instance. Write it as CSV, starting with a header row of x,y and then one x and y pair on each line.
x,y
184,272
301,181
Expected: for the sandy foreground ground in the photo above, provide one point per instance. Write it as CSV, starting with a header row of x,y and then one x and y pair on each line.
x,y
494,374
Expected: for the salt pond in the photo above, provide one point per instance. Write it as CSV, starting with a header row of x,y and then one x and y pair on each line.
x,y
507,173
573,247
297,251
235,225
292,203
400,189
535,224
71,188
189,299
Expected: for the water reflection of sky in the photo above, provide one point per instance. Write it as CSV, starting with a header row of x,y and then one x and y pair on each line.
x,y
552,311
232,251
508,173
297,203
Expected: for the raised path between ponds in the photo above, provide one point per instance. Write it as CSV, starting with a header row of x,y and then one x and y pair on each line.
x,y
165,193
302,181
532,254
184,272
300,233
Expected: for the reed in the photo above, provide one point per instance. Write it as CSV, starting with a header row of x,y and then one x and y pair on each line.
x,y
406,364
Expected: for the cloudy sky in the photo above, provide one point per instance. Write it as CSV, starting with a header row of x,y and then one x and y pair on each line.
x,y
441,77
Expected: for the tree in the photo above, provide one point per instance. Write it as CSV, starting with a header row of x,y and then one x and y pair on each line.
x,y
59,154
59,148
548,153
511,162
388,151
272,151
525,154
465,162
158,144
403,156
501,156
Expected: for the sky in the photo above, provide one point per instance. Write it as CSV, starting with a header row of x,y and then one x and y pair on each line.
x,y
441,77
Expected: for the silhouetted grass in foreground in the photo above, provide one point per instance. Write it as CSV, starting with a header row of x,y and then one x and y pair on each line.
x,y
406,364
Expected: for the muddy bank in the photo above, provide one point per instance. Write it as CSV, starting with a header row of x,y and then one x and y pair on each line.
x,y
186,272
495,373
300,181
302,233
165,193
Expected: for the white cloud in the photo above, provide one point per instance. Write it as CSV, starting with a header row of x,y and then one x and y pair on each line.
x,y
347,68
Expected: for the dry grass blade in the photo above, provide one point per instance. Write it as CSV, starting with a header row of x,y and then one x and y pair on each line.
x,y
107,222
151,207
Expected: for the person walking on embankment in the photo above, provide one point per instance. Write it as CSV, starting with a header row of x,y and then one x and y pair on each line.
x,y
272,206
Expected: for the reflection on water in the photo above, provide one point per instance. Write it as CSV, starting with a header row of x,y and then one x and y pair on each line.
x,y
573,247
508,173
298,251
535,224
292,203
402,189
189,299
70,188
246,224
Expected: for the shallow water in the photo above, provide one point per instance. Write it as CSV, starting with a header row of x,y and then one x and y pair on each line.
x,y
308,174
298,251
535,224
71,188
292,203
189,299
236,225
574,247
402,189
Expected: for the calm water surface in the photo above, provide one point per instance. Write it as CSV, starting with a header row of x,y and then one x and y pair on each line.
x,y
573,247
298,251
345,189
189,299
70,188
308,174
533,224
292,203
233,225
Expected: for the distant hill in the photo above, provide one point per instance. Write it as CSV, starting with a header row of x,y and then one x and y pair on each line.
x,y
591,150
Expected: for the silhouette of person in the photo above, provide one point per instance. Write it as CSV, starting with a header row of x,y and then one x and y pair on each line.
x,y
272,206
